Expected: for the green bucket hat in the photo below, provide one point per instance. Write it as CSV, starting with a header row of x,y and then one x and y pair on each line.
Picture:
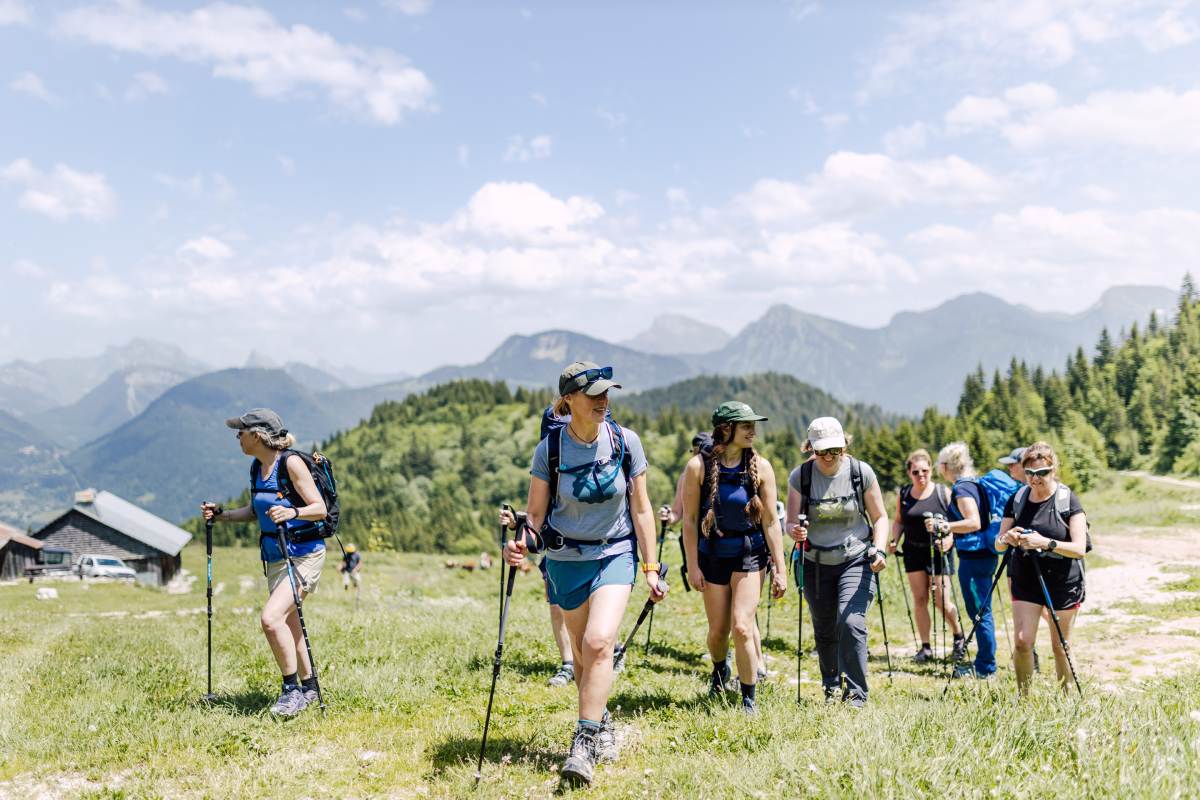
x,y
735,411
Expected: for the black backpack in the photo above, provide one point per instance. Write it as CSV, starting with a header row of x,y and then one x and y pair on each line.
x,y
856,482
321,469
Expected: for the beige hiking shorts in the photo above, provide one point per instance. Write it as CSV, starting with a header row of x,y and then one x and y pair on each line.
x,y
308,570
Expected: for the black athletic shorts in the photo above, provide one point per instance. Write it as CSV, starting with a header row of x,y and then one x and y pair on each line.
x,y
917,559
1065,594
719,571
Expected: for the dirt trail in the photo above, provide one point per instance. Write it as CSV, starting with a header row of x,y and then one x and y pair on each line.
x,y
1116,646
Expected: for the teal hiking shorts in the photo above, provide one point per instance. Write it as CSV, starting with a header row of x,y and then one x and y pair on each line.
x,y
570,583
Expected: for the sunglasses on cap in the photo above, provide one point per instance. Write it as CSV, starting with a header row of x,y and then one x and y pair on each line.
x,y
594,374
829,451
1040,472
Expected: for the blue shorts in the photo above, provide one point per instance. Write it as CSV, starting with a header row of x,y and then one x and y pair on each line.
x,y
570,583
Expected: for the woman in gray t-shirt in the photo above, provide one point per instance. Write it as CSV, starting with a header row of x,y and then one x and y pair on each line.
x,y
842,551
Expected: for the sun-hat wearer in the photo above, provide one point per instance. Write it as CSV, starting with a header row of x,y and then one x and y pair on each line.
x,y
1014,457
572,379
826,432
735,411
263,419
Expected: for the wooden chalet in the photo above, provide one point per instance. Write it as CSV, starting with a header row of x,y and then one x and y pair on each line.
x,y
104,524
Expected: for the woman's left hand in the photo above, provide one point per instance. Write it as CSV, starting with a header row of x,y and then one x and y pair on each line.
x,y
1033,541
778,584
282,514
658,589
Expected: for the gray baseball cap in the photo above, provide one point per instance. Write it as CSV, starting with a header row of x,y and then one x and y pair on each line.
x,y
1014,457
263,419
590,377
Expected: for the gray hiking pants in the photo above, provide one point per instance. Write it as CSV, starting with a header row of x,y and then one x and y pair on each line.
x,y
839,599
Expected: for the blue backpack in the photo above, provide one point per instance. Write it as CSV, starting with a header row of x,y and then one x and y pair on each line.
x,y
995,488
552,426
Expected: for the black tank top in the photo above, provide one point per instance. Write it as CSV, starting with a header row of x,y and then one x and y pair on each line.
x,y
912,514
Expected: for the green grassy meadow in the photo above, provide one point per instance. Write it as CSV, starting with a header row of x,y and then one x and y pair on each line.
x,y
102,690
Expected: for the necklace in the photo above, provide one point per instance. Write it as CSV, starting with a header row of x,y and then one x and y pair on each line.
x,y
578,438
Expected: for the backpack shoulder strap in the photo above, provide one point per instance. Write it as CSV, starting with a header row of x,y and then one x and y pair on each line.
x,y
1019,498
860,489
1062,500
944,494
255,471
805,485
284,478
553,460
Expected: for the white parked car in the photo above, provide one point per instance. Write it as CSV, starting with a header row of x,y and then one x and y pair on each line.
x,y
95,566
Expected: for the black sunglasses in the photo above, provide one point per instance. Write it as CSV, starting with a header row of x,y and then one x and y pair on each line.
x,y
594,374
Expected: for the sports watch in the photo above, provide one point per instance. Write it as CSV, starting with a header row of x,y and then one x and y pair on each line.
x,y
650,566
1053,545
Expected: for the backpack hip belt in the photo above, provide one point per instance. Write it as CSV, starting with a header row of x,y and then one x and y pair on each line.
x,y
555,541
816,550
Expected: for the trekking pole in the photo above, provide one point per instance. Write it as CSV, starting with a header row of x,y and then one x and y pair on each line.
x,y
662,537
798,563
936,565
487,720
508,508
647,611
687,587
293,581
208,526
982,609
887,649
904,593
1062,640
1004,618
770,594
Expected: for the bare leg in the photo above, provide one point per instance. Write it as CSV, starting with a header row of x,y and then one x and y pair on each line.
x,y
1025,626
949,610
1066,621
281,625
744,588
561,636
919,583
593,633
716,608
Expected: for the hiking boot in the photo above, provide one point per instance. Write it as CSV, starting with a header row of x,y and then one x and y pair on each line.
x,y
749,705
565,674
855,701
580,765
923,656
762,671
720,676
831,695
959,652
311,698
290,703
606,740
963,671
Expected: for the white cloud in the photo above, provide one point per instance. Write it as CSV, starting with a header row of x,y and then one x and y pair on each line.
x,y
287,165
14,12
537,147
214,186
831,254
63,192
906,139
524,211
30,84
96,297
1032,96
355,14
1160,120
615,120
205,248
247,44
145,84
677,199
29,269
412,8
975,112
539,98
1100,194
958,38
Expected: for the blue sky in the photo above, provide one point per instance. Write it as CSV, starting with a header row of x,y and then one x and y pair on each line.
x,y
425,177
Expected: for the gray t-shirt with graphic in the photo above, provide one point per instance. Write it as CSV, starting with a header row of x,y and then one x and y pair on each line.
x,y
592,502
835,520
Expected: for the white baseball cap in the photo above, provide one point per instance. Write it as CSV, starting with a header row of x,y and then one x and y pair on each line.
x,y
826,432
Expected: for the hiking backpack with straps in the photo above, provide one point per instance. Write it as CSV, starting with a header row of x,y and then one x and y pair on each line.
x,y
994,490
552,427
857,484
321,470
1062,504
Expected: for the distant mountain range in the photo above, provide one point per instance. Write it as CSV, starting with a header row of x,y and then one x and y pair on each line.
x,y
144,420
675,334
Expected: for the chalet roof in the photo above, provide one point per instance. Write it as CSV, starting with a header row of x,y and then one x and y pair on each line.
x,y
137,523
10,534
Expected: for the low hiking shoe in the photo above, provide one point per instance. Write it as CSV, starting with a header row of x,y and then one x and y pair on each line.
x,y
580,765
290,703
311,697
720,676
964,671
923,656
749,706
960,650
856,701
565,674
606,740
831,695
762,671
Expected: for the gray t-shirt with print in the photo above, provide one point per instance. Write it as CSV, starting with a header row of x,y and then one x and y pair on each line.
x,y
835,520
592,502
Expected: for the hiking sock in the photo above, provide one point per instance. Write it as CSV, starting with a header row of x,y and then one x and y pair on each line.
x,y
309,684
291,682
588,725
925,646
748,691
958,637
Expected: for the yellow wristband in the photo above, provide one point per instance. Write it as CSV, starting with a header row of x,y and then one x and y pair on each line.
x,y
650,566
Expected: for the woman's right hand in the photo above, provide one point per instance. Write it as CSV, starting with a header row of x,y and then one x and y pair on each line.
x,y
695,577
799,532
515,550
209,510
507,519
1011,537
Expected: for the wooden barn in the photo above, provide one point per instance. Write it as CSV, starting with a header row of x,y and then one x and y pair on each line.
x,y
104,524
17,552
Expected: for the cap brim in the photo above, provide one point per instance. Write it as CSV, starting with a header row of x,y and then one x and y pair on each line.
x,y
237,424
748,418
599,387
1007,461
828,442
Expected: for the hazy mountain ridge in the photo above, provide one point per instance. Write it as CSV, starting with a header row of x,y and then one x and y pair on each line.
x,y
676,334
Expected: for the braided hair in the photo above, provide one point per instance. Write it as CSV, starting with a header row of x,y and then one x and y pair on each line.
x,y
722,435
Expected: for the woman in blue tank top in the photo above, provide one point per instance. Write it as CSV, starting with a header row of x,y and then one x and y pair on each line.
x,y
729,499
261,434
